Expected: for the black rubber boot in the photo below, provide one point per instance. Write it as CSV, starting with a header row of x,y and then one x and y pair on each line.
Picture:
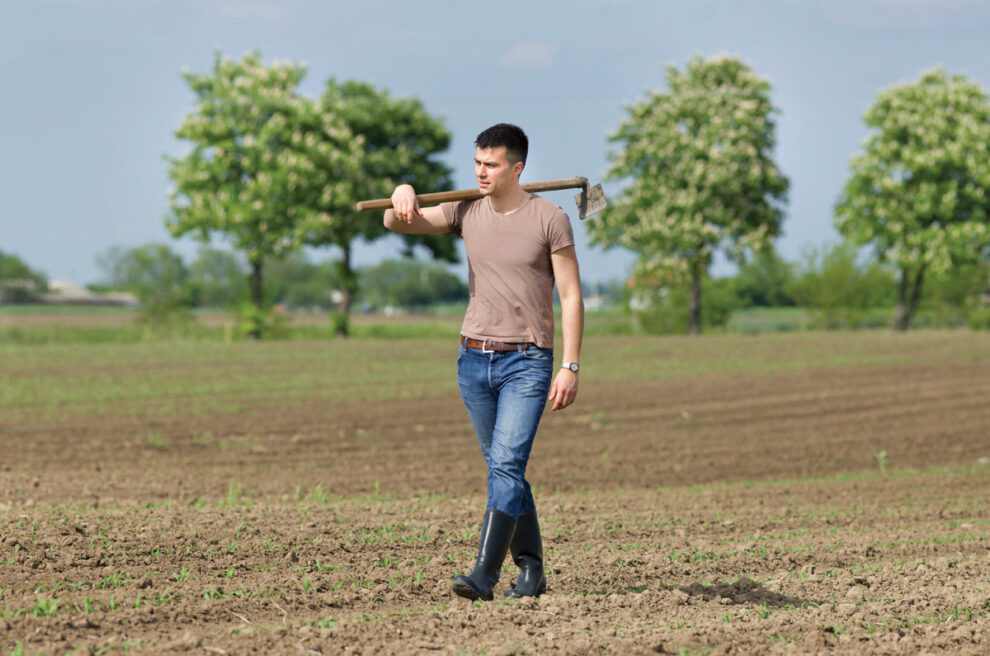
x,y
496,533
527,553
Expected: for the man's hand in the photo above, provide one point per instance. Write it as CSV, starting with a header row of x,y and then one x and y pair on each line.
x,y
405,204
564,389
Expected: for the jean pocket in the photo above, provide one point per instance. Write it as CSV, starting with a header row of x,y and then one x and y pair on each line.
x,y
460,351
539,354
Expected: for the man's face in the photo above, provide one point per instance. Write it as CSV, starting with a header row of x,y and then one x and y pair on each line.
x,y
493,170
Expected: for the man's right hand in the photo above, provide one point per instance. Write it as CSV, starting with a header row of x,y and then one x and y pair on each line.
x,y
406,217
405,204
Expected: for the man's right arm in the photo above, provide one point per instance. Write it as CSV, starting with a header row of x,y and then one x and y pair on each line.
x,y
407,218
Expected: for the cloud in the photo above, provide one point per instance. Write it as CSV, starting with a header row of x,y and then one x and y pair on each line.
x,y
530,55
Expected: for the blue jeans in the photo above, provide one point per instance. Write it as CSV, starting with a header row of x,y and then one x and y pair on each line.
x,y
505,394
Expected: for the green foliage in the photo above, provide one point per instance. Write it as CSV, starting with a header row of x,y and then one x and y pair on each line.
x,y
156,275
410,284
955,297
400,143
272,170
217,279
19,283
664,310
765,280
979,318
257,322
919,193
241,176
843,292
700,175
261,154
298,283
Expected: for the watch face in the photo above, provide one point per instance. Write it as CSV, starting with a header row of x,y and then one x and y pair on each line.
x,y
573,366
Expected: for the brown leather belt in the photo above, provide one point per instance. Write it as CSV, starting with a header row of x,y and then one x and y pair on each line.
x,y
489,345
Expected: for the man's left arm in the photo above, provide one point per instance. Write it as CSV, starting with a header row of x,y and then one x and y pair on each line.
x,y
564,389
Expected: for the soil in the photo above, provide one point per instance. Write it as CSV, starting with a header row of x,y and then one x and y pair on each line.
x,y
799,511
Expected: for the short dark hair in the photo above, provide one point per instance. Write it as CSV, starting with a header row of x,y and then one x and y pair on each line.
x,y
505,134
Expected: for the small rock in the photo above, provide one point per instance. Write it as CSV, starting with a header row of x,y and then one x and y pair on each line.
x,y
856,592
188,639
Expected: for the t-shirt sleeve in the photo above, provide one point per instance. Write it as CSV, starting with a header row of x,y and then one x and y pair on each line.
x,y
453,214
559,231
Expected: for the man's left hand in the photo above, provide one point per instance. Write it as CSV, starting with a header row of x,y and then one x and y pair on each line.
x,y
564,389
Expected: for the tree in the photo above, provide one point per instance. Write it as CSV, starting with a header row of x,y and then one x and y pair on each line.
x,y
661,309
256,161
299,283
217,279
919,193
401,142
697,160
19,283
837,285
765,280
153,273
410,283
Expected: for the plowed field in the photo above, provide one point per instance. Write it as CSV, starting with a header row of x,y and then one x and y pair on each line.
x,y
796,493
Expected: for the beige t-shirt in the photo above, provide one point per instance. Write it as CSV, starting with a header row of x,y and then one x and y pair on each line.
x,y
509,272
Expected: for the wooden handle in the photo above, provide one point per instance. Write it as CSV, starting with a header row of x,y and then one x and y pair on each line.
x,y
426,200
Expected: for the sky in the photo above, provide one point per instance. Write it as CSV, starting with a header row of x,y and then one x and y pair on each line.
x,y
91,93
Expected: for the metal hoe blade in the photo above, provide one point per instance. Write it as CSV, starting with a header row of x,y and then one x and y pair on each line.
x,y
590,201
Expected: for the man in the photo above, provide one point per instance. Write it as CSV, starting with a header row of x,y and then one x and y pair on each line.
x,y
518,245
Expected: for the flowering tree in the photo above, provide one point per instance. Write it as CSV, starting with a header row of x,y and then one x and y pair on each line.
x,y
254,162
919,193
697,160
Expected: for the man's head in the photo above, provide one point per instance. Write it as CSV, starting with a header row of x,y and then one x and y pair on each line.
x,y
510,136
499,158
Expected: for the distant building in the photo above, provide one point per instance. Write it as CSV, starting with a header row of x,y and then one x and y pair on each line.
x,y
62,292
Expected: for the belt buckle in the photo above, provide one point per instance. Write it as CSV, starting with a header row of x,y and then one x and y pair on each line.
x,y
484,342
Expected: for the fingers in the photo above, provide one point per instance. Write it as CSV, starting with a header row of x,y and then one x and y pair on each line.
x,y
406,213
405,204
562,394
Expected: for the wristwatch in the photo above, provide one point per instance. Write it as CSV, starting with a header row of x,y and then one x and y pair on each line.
x,y
573,366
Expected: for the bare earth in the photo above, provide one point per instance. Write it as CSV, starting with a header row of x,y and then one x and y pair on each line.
x,y
831,496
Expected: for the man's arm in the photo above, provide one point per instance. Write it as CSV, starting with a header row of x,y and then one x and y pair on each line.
x,y
407,218
564,389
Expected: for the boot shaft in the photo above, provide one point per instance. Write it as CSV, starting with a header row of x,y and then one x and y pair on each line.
x,y
497,532
527,543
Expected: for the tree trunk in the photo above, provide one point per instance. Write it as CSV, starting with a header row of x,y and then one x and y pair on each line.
x,y
348,286
901,312
908,293
257,298
695,303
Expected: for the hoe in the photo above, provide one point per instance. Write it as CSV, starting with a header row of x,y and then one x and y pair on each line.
x,y
590,201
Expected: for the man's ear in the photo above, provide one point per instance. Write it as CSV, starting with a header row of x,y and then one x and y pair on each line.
x,y
518,167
